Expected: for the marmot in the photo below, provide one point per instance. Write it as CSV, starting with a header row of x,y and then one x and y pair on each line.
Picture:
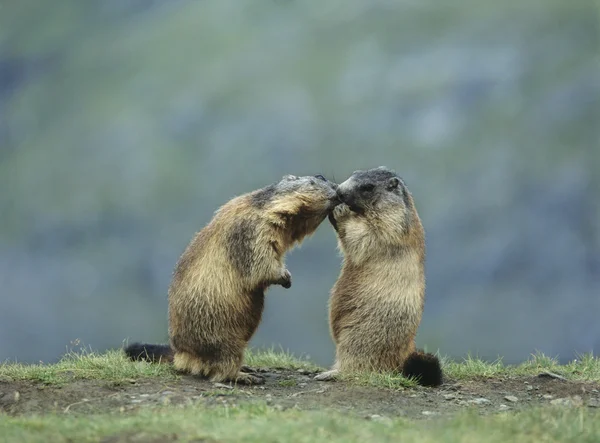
x,y
377,302
216,296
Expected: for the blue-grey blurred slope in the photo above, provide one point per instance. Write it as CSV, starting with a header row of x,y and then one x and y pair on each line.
x,y
125,124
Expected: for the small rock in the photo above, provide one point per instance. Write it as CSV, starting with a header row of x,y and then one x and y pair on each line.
x,y
450,396
462,403
301,385
166,392
17,396
136,401
429,413
278,407
593,403
595,391
165,401
413,396
547,397
221,385
529,388
122,409
144,395
479,401
511,398
268,396
503,407
548,374
302,371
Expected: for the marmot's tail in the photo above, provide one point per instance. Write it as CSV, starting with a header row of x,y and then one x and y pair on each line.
x,y
151,353
424,367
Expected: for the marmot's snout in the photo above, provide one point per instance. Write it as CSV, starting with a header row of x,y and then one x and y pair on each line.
x,y
347,198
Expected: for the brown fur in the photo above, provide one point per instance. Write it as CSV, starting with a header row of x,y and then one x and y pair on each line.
x,y
216,296
377,302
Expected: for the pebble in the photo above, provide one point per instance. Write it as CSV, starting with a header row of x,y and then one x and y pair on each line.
x,y
166,392
548,374
479,401
450,396
529,388
302,385
136,401
302,371
503,407
429,413
378,418
547,397
221,385
511,398
594,403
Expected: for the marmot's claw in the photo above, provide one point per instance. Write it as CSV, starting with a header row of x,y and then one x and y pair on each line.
x,y
286,279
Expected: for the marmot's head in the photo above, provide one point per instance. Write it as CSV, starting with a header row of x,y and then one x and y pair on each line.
x,y
375,190
376,207
299,204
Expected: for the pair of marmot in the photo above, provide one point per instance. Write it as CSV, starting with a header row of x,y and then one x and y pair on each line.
x,y
216,296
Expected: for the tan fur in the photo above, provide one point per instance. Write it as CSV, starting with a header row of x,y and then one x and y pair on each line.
x,y
217,292
377,302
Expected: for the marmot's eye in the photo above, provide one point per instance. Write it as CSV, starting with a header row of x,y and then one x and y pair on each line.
x,y
320,177
367,187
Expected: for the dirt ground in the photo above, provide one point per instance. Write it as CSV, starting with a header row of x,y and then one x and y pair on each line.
x,y
296,389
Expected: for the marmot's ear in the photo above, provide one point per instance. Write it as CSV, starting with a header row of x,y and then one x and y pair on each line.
x,y
393,183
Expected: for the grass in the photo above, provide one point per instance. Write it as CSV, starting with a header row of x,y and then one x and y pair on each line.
x,y
270,358
114,366
261,423
111,366
584,368
258,421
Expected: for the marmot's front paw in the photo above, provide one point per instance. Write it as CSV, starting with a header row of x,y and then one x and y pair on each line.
x,y
286,279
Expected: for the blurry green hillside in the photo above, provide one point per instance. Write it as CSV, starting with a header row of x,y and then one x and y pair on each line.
x,y
124,124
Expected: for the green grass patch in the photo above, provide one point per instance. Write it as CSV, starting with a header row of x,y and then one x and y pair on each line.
x,y
111,365
258,422
379,380
114,366
584,368
270,358
289,383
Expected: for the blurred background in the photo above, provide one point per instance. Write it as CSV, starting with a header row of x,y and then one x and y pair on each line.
x,y
124,124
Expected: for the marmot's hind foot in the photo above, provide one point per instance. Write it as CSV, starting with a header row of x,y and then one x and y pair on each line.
x,y
332,375
247,379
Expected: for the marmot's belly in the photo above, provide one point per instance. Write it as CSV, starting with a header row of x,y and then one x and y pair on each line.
x,y
380,325
199,319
